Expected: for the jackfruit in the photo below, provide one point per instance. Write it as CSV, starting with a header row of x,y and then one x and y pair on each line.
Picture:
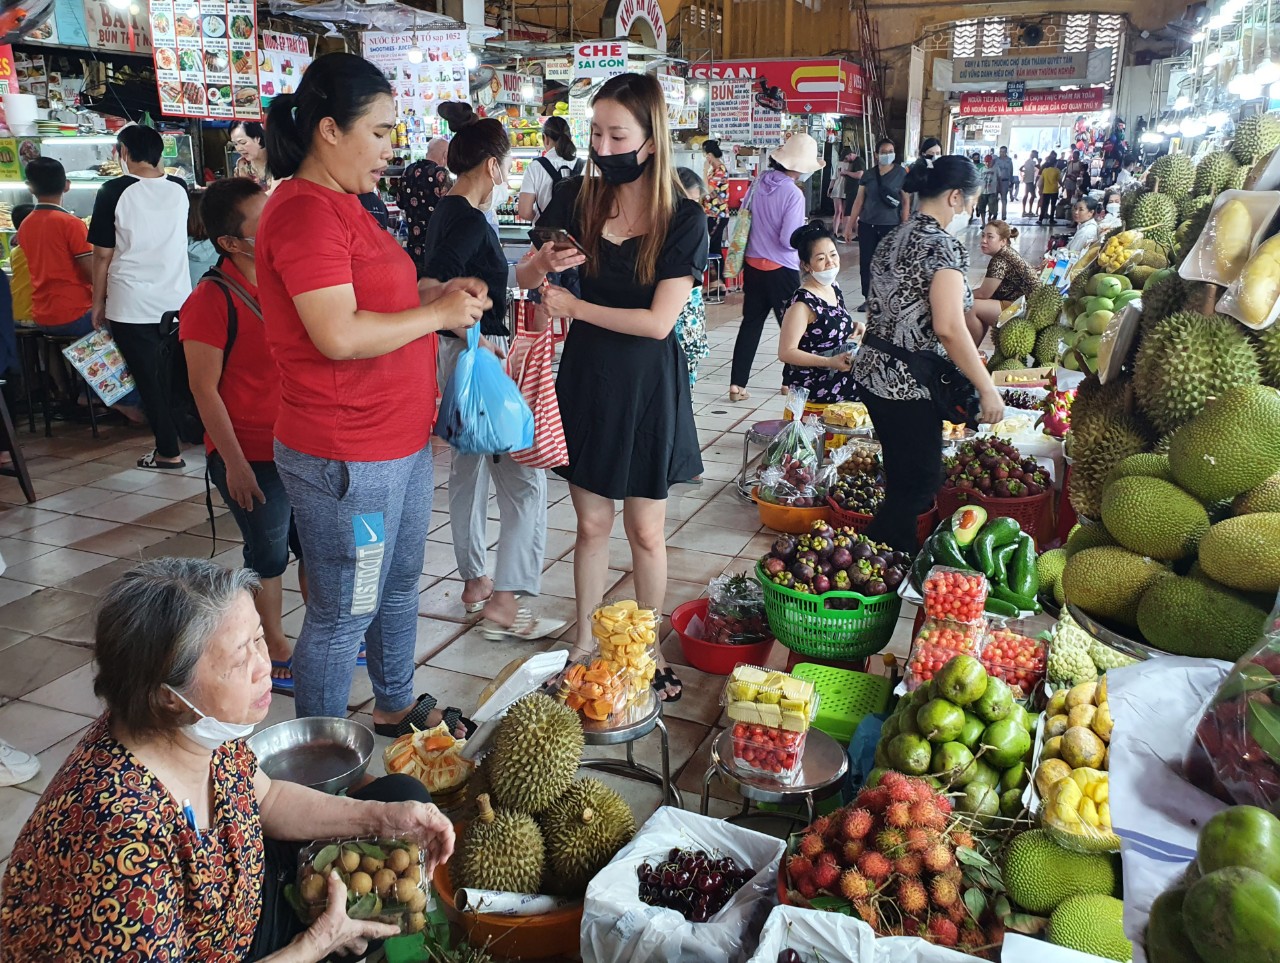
x,y
1154,210
1213,173
1140,274
1049,566
1092,924
1231,446
1186,359
1255,136
1263,498
1146,465
1267,343
1153,517
1016,339
1094,535
1192,616
1039,874
1244,553
1108,582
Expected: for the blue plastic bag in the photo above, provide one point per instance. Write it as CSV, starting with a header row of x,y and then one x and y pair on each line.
x,y
483,412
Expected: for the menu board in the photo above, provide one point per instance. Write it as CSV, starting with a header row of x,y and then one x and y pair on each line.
x,y
729,111
206,56
421,87
282,61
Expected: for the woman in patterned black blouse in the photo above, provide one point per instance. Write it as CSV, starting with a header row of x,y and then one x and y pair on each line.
x,y
918,300
423,184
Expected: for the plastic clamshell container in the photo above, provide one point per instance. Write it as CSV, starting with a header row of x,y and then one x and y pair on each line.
x,y
769,698
1023,677
400,898
1117,341
937,642
1199,264
775,753
940,595
598,689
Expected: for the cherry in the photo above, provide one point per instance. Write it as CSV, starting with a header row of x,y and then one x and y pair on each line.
x,y
789,956
710,882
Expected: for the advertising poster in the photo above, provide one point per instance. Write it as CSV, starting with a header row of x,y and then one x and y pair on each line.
x,y
206,57
114,29
1034,102
99,362
735,117
421,87
282,60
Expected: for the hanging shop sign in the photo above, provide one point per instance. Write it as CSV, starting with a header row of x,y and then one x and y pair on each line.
x,y
1033,69
206,58
829,86
421,87
1015,91
1034,102
8,72
508,87
672,89
627,15
282,60
734,116
108,28
600,59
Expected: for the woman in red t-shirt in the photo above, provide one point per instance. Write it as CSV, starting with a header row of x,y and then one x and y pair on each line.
x,y
355,344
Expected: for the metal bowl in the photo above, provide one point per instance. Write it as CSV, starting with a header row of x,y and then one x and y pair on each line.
x,y
322,752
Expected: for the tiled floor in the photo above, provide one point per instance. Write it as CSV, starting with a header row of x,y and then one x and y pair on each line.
x,y
98,513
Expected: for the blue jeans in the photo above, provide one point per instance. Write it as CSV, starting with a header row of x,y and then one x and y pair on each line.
x,y
363,528
265,530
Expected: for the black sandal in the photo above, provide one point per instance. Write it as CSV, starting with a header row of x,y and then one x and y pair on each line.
x,y
417,719
664,680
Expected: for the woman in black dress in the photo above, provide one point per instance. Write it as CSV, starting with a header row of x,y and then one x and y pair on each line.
x,y
623,388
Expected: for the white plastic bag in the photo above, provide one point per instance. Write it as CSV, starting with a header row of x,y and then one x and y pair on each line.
x,y
618,928
912,949
815,935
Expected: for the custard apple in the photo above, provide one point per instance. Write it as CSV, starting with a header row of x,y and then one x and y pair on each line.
x,y
1105,657
1069,661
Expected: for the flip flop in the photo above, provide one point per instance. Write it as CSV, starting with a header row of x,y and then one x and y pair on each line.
x,y
150,461
473,607
362,657
526,627
417,719
282,685
664,680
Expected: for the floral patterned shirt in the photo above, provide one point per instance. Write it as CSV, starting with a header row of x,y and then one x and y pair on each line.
x,y
423,184
898,308
107,868
716,199
831,329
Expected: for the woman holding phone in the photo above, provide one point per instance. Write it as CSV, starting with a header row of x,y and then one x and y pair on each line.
x,y
623,388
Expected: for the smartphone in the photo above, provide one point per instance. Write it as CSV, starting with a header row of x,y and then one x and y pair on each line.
x,y
557,237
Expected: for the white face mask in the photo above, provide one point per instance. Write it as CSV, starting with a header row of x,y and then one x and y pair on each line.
x,y
208,731
886,159
1113,208
959,221
501,194
825,277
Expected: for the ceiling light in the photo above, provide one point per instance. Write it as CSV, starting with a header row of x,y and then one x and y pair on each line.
x,y
1217,118
1182,102
699,94
414,55
1197,36
472,61
1192,127
1213,58
527,93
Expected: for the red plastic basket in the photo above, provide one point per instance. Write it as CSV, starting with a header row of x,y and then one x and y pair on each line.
x,y
1034,513
713,657
843,518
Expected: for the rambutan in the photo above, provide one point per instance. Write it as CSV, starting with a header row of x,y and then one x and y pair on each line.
x,y
851,850
822,826
807,888
876,800
971,935
898,814
943,802
826,871
942,931
867,911
900,789
912,897
909,864
854,886
919,839
925,813
943,892
812,845
910,926
856,824
957,912
955,874
963,839
799,867
875,866
939,858
892,842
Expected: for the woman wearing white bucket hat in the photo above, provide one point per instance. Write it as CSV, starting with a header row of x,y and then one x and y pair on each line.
x,y
771,271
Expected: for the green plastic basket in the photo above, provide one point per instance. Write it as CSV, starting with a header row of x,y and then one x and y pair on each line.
x,y
846,697
807,625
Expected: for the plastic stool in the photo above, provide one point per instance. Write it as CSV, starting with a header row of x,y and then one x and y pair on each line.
x,y
759,434
846,697
713,280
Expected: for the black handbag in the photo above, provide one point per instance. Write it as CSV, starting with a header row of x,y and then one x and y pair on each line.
x,y
954,396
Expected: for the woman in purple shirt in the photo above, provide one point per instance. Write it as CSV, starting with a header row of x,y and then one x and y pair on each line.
x,y
771,272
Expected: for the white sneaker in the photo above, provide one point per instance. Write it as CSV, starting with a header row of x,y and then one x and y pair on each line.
x,y
16,766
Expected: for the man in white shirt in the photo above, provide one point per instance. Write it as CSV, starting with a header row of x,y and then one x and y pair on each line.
x,y
139,238
542,174
1006,181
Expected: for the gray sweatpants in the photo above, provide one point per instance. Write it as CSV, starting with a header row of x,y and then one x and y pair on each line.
x,y
363,527
522,506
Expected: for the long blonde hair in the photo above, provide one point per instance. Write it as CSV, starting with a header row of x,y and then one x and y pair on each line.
x,y
642,97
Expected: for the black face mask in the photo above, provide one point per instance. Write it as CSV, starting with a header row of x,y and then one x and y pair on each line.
x,y
619,168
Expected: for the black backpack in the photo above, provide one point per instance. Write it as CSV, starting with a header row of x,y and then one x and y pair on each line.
x,y
173,360
559,174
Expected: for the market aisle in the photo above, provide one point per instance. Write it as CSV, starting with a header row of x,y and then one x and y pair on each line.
x,y
97,514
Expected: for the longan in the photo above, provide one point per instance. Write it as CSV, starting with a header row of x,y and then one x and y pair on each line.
x,y
370,865
398,861
413,873
405,888
418,901
312,889
361,883
349,860
384,881
415,923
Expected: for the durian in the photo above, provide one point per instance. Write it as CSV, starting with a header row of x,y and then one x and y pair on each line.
x,y
1047,343
1213,173
1185,360
1267,343
1171,174
500,850
1239,179
536,752
996,361
1078,283
1043,307
1129,200
1255,137
1103,433
1154,210
1016,339
1161,236
584,829
1011,364
1164,294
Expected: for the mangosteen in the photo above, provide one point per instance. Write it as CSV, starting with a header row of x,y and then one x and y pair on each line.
x,y
893,578
877,587
823,529
860,550
841,558
774,566
821,584
984,484
784,547
878,563
1033,488
802,571
823,545
825,567
842,583
809,556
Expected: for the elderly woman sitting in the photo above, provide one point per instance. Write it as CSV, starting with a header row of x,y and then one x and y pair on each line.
x,y
109,867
